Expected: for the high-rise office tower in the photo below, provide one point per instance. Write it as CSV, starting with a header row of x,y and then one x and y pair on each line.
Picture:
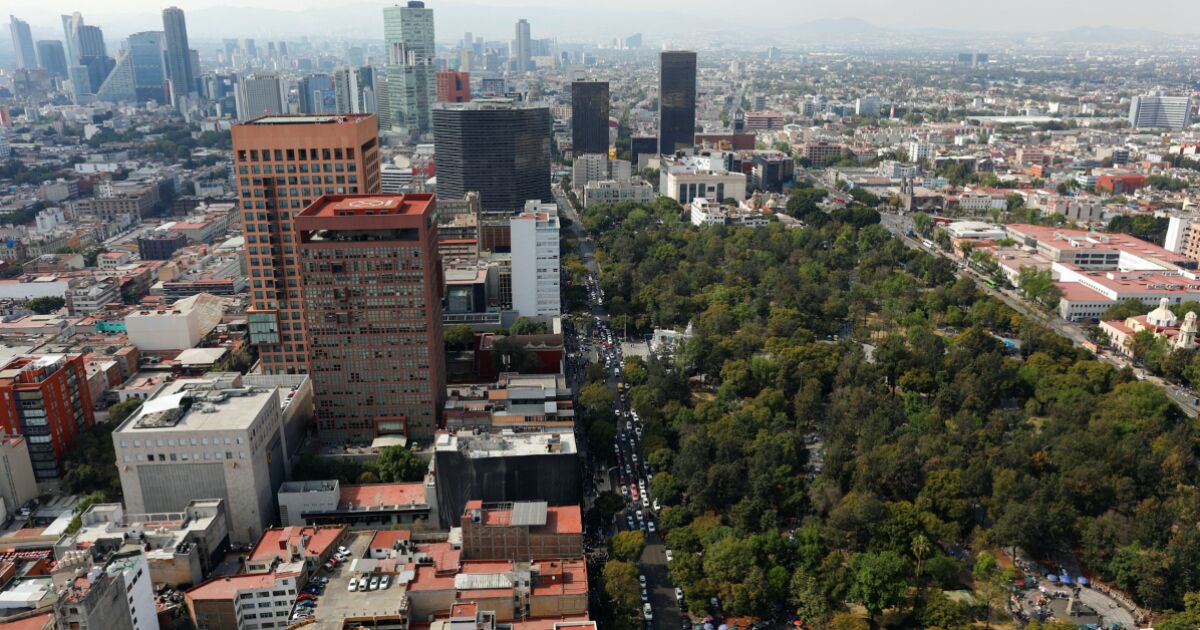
x,y
589,117
412,77
179,63
70,25
676,101
521,50
453,87
371,287
246,45
347,91
22,40
1156,111
283,164
259,94
52,57
317,95
149,68
495,147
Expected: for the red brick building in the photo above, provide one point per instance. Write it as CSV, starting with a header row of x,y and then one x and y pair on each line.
x,y
283,164
1121,184
46,399
453,87
371,289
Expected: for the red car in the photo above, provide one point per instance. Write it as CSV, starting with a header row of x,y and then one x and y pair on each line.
x,y
633,491
306,597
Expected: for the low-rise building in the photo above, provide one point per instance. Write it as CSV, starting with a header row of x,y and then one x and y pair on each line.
x,y
508,467
359,506
612,191
249,601
1160,322
686,178
177,327
180,547
115,594
208,438
311,546
522,530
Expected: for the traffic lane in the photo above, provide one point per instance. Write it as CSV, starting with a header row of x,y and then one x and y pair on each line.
x,y
653,564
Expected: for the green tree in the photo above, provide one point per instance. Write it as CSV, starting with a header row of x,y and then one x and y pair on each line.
x,y
459,337
118,412
524,326
45,305
627,545
621,585
878,580
1038,285
398,463
596,396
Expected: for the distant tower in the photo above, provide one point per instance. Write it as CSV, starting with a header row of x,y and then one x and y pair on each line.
x,y
179,63
521,54
676,101
411,75
22,40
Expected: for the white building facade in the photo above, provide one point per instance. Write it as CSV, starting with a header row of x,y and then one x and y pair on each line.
x,y
535,261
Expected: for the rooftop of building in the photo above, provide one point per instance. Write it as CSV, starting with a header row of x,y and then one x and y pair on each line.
x,y
381,495
226,588
208,403
163,531
307,119
537,515
276,542
1066,238
506,444
329,206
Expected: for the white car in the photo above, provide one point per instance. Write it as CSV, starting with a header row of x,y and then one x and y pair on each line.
x,y
353,585
362,583
669,558
343,550
385,582
374,584
650,525
647,611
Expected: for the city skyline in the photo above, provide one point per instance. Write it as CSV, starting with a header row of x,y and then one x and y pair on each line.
x,y
493,19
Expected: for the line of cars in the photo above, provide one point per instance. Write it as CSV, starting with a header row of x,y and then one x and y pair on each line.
x,y
306,601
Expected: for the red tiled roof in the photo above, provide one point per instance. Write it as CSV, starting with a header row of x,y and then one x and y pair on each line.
x,y
319,541
227,587
384,539
382,494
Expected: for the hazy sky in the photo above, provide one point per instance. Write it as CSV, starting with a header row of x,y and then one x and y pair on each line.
x,y
1173,16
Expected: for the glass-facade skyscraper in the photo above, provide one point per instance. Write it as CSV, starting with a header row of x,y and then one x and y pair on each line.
x,y
494,147
149,73
179,66
22,40
411,75
589,117
676,101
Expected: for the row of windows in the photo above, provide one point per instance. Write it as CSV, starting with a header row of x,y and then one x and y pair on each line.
x,y
291,155
181,442
183,457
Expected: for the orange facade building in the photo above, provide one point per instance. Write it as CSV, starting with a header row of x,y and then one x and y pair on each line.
x,y
46,400
283,164
372,293
453,87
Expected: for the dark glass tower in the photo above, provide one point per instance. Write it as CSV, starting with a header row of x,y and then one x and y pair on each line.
x,y
589,117
676,101
52,57
493,147
179,65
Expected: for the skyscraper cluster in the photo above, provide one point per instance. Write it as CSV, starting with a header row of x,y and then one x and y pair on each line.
x,y
149,66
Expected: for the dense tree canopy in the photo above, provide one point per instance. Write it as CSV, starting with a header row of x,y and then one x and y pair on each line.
x,y
837,339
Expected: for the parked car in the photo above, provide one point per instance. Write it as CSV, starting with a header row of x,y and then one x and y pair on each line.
x,y
353,585
362,584
385,581
647,611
